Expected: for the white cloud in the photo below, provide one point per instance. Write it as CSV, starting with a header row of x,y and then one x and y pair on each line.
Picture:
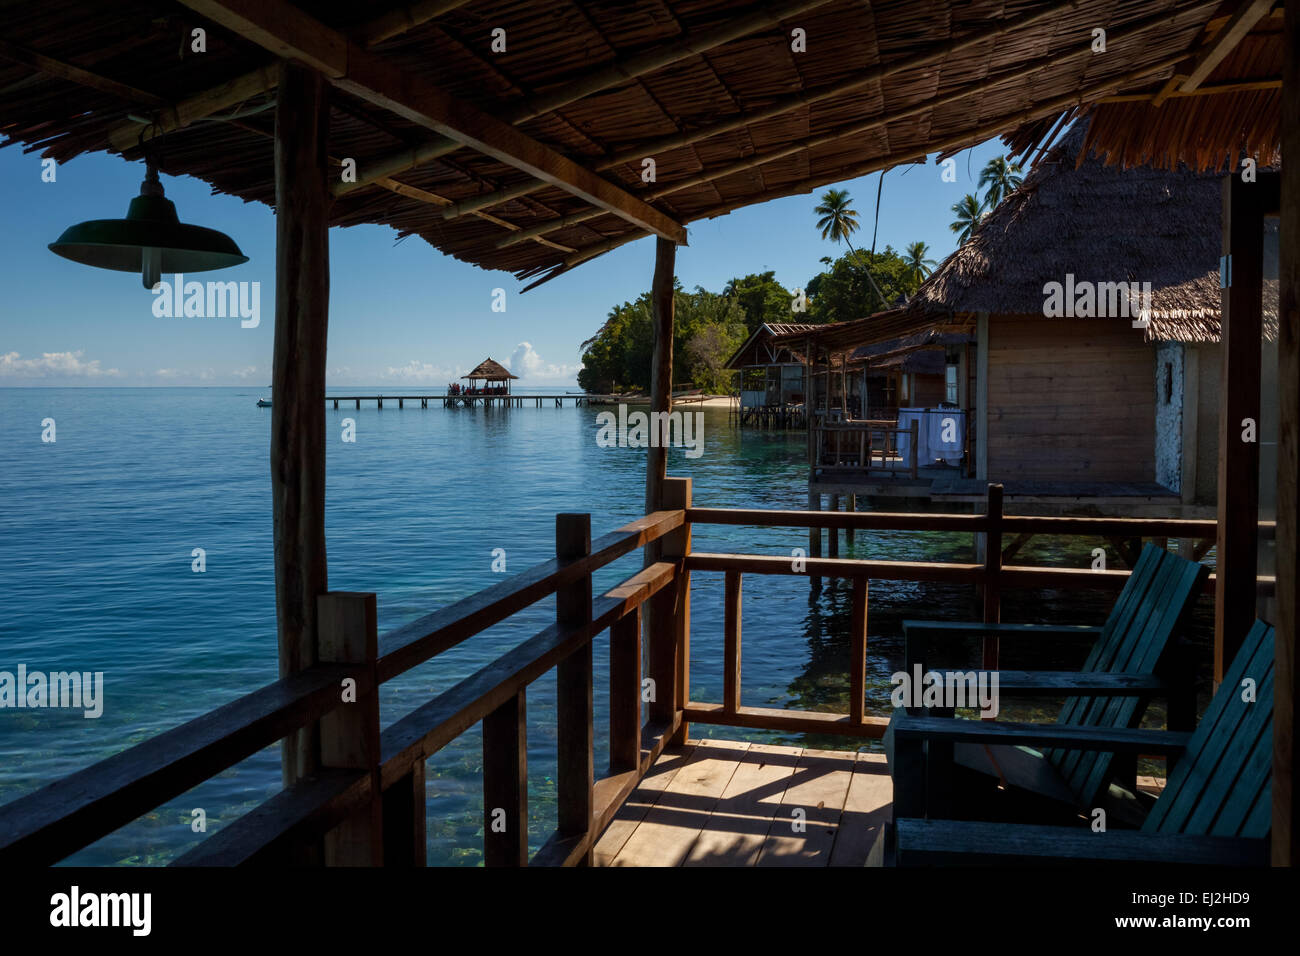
x,y
53,365
529,366
245,372
167,373
415,371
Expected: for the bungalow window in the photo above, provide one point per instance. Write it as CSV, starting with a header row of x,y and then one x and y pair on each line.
x,y
950,384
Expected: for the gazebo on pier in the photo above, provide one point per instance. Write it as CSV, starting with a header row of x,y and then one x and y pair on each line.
x,y
487,372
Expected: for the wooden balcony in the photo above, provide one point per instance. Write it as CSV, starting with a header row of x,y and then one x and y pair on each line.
x,y
664,800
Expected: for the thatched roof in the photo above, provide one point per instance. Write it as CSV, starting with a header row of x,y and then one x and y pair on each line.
x,y
491,371
731,112
1100,224
1236,110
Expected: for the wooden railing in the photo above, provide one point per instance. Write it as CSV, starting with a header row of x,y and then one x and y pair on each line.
x,y
366,805
992,575
853,445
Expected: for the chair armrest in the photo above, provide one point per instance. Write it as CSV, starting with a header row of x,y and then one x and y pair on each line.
x,y
949,842
911,730
1094,683
981,629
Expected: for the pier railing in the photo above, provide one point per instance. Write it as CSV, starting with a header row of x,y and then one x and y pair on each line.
x,y
365,803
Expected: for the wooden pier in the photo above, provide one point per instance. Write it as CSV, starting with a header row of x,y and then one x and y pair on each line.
x,y
462,400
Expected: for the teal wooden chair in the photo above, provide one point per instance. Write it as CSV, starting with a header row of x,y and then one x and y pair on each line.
x,y
1216,807
1129,664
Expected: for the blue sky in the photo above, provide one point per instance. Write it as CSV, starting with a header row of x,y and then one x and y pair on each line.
x,y
400,313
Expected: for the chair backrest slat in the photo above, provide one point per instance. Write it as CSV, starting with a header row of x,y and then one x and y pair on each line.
x,y
1167,614
1151,608
1221,786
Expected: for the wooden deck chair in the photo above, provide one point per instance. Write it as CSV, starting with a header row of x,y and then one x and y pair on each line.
x,y
1216,807
1127,665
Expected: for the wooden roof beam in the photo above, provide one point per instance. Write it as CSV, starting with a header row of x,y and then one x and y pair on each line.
x,y
1225,41
262,80
1236,86
413,192
289,32
75,74
612,75
1222,35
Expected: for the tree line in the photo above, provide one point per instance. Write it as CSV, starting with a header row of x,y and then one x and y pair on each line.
x,y
710,326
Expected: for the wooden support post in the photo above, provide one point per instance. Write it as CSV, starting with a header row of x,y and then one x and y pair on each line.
x,y
349,735
1286,713
673,625
808,404
815,535
661,368
405,839
992,573
851,506
731,644
1234,588
575,770
298,382
505,784
915,429
858,653
625,692
833,534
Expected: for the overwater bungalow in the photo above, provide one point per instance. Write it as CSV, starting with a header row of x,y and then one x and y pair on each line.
x,y
1091,381
772,380
532,161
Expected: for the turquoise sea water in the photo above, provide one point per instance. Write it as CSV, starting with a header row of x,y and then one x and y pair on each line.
x,y
97,531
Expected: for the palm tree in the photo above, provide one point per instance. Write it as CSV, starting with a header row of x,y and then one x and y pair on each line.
x,y
918,266
839,221
999,178
968,217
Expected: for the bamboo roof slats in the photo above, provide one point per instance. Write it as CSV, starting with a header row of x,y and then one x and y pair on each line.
x,y
717,95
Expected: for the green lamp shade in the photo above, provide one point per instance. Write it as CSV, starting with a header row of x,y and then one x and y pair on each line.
x,y
151,240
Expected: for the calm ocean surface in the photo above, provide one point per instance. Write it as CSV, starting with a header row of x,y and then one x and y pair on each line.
x,y
97,530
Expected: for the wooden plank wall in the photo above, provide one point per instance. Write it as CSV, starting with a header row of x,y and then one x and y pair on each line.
x,y
930,390
1070,400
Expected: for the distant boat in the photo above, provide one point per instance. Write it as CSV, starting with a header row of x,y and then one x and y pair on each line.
x,y
263,403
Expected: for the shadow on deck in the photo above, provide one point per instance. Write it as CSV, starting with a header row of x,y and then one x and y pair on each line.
x,y
731,803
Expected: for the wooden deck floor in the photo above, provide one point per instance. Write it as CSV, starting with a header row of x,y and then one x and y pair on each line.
x,y
731,803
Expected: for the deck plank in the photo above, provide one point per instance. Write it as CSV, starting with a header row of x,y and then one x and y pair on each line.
x,y
670,827
738,825
819,787
869,805
639,802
